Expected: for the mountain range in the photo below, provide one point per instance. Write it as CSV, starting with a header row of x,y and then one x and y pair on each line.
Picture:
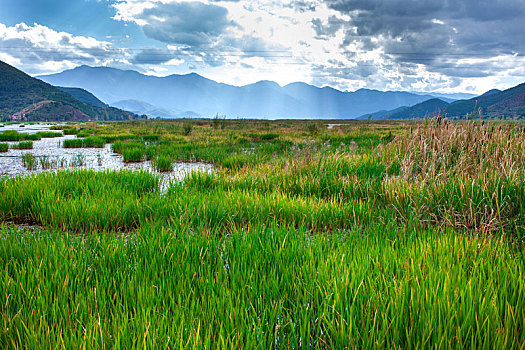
x,y
25,98
192,95
492,104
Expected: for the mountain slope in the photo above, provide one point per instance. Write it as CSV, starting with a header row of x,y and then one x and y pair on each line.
x,y
25,98
143,108
492,104
83,96
427,108
488,104
265,99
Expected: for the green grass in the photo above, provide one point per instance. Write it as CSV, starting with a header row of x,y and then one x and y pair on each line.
x,y
265,287
162,163
368,235
23,145
4,147
48,134
29,161
11,135
88,142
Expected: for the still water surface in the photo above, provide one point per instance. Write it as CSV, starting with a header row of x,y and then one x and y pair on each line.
x,y
68,158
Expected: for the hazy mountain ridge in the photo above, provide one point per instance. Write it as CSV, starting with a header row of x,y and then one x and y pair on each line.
x,y
192,93
492,104
25,98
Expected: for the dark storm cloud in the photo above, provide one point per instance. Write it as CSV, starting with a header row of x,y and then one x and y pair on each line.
x,y
326,30
152,56
437,33
187,23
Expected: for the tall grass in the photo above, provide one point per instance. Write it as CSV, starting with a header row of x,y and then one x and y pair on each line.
x,y
265,287
29,161
469,175
23,145
4,147
162,163
12,135
363,236
88,142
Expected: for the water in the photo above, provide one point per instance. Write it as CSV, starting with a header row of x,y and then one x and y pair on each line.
x,y
331,126
69,158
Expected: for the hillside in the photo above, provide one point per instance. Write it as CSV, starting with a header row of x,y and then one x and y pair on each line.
x,y
427,108
496,104
492,104
196,95
83,96
25,98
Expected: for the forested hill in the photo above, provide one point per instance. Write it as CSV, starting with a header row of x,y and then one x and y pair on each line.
x,y
23,97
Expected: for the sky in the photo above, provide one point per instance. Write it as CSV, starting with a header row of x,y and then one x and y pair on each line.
x,y
444,46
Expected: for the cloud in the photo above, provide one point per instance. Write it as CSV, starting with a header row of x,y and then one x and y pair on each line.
x,y
446,45
180,23
152,56
37,49
437,34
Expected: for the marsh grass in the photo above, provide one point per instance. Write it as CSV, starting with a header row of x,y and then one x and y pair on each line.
x,y
468,175
368,235
162,163
4,147
23,145
29,161
88,142
12,135
270,287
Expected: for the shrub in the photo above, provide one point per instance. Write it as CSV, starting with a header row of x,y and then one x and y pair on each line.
x,y
187,127
4,147
269,136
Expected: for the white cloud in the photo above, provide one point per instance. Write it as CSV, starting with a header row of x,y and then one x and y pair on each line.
x,y
38,49
343,44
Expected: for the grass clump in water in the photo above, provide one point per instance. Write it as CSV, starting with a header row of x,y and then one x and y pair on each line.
x,y
23,145
12,135
88,142
29,161
162,163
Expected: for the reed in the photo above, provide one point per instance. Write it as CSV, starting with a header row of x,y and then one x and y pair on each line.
x,y
29,161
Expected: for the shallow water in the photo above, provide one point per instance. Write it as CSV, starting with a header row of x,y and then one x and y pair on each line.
x,y
69,158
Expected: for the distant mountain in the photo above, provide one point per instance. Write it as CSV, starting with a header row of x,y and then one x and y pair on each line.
x,y
492,104
83,96
25,98
192,94
144,108
448,97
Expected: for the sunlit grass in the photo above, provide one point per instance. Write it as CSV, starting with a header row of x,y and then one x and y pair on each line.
x,y
368,235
